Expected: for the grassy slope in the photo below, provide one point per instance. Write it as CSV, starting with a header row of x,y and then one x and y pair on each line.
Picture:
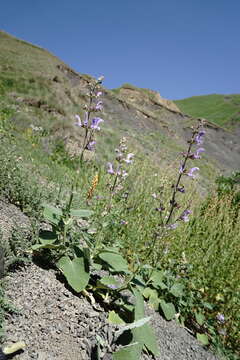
x,y
27,72
217,108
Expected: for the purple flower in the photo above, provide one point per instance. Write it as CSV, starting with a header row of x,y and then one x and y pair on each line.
x,y
123,222
220,318
172,226
184,217
129,158
99,106
196,154
95,122
160,209
85,122
99,93
124,174
181,189
191,171
199,137
181,169
78,123
112,286
110,168
91,145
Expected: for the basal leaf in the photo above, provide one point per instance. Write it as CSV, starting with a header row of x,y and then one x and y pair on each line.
x,y
157,279
200,318
203,338
114,318
116,261
129,352
168,309
46,235
47,245
75,272
52,214
144,334
177,290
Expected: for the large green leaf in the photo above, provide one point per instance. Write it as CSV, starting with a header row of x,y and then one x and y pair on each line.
x,y
116,261
81,213
129,352
200,318
52,214
143,335
47,240
157,279
46,245
75,272
114,318
203,338
168,309
46,235
177,290
152,296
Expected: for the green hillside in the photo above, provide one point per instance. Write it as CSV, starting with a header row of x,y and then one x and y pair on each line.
x,y
217,108
121,206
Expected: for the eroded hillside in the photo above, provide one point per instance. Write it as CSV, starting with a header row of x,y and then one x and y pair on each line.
x,y
43,91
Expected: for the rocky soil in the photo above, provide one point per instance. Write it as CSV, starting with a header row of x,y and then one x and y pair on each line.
x,y
56,324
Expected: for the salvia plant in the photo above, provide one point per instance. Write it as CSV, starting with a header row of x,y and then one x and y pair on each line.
x,y
91,122
91,267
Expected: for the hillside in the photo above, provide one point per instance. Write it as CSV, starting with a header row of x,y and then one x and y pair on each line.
x,y
93,241
223,110
42,91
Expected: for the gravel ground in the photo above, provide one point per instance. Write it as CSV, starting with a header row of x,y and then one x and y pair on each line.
x,y
58,325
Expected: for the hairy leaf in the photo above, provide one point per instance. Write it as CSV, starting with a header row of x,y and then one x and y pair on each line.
x,y
116,261
114,318
129,352
168,309
75,272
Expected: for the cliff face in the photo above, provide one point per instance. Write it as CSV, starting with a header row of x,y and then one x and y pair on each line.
x,y
44,91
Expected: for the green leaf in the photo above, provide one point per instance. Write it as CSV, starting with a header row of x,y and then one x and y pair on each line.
x,y
107,281
168,309
114,318
152,296
129,352
139,305
81,213
157,279
97,266
177,290
116,261
203,338
133,325
111,249
47,245
200,318
52,214
47,235
144,334
75,272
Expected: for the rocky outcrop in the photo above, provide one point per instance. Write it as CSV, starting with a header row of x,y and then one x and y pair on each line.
x,y
142,96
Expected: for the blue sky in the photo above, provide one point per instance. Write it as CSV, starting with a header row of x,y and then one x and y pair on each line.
x,y
180,48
